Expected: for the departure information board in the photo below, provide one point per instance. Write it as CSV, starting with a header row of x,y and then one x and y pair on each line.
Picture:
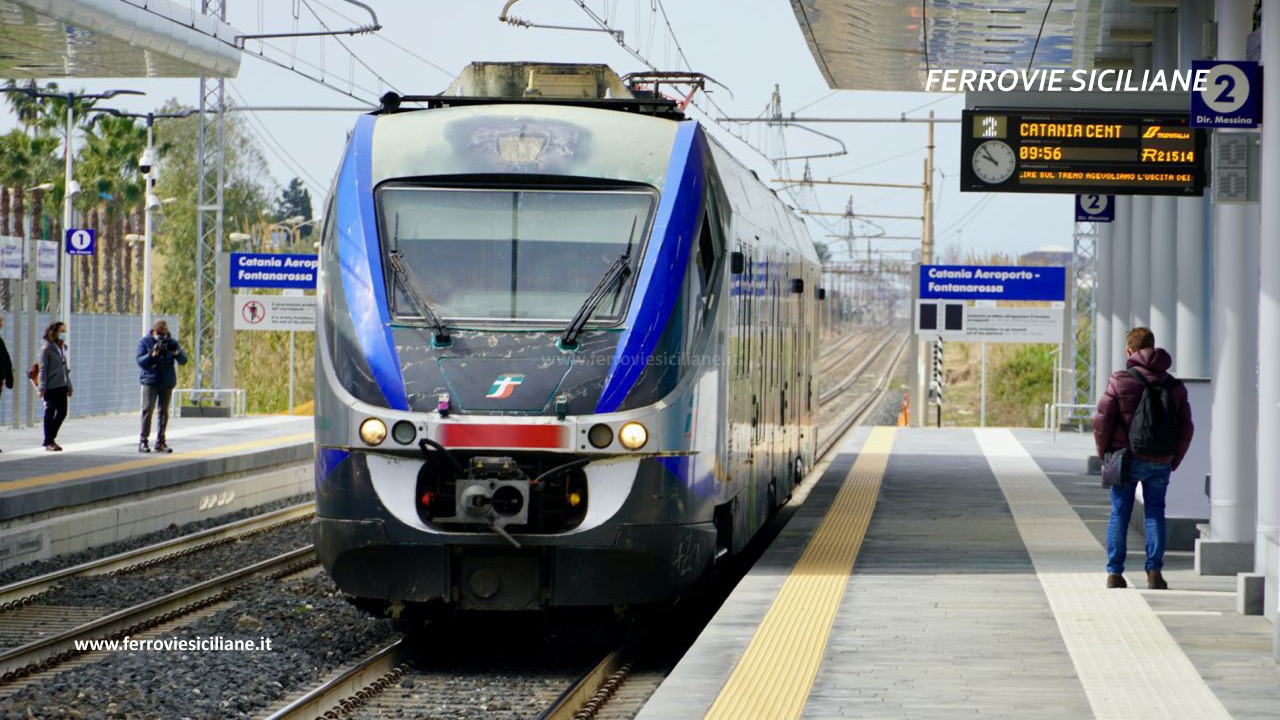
x,y
1077,152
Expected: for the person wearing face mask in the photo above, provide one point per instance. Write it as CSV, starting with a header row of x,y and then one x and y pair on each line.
x,y
158,355
6,363
54,384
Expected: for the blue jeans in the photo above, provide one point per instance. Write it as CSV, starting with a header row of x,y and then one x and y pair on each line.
x,y
1155,484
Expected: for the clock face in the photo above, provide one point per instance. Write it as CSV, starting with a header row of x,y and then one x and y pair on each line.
x,y
994,162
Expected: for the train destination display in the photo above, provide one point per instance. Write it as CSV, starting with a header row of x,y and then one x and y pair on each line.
x,y
1074,152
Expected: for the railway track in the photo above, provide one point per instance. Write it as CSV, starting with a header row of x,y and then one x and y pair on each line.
x,y
838,351
38,634
61,601
43,654
861,405
619,683
392,680
396,680
27,592
617,676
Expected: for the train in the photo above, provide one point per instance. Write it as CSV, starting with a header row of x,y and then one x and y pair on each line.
x,y
565,353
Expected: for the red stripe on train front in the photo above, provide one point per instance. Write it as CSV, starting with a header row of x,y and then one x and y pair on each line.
x,y
470,435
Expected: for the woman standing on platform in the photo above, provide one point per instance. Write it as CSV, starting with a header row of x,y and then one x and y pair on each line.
x,y
55,382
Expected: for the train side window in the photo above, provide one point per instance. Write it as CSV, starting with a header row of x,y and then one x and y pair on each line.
x,y
329,226
707,253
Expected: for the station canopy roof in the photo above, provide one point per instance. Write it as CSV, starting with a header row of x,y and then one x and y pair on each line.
x,y
881,44
113,38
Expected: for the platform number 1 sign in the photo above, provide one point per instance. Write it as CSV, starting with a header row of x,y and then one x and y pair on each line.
x,y
80,241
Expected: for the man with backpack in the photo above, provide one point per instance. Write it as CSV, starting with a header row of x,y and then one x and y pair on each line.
x,y
1143,412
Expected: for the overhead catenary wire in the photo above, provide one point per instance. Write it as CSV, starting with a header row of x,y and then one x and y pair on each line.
x,y
356,58
277,148
260,54
383,38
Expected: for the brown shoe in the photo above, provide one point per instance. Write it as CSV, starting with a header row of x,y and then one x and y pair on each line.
x,y
1116,581
1155,581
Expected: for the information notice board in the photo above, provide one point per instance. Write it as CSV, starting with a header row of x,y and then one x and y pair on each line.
x,y
1081,151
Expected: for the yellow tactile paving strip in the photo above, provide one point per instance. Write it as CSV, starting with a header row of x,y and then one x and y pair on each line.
x,y
775,674
1128,664
150,461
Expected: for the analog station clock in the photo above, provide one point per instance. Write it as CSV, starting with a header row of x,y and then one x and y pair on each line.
x,y
994,162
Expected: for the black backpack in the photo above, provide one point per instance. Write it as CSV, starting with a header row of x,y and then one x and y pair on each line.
x,y
1155,430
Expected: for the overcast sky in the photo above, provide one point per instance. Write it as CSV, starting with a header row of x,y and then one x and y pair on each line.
x,y
748,45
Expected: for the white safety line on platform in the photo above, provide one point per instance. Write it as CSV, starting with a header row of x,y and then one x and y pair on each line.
x,y
131,440
1191,613
1128,663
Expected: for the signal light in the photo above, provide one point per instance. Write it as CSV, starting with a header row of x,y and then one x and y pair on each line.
x,y
575,499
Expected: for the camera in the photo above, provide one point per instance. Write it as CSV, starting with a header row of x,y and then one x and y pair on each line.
x,y
147,161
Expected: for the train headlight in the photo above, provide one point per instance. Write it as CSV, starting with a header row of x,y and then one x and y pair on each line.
x,y
600,435
404,432
633,436
373,431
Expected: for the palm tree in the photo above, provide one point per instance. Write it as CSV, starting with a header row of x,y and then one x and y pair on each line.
x,y
24,161
109,162
44,121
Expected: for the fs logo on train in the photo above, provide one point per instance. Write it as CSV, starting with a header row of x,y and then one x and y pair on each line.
x,y
503,386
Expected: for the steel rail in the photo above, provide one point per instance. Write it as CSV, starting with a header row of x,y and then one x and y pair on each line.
x,y
592,690
834,354
835,391
25,592
352,687
860,410
45,653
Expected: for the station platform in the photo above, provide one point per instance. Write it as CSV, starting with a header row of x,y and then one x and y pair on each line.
x,y
961,573
100,489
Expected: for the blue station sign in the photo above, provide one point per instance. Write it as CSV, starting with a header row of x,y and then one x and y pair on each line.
x,y
81,241
269,270
993,282
1232,94
1093,207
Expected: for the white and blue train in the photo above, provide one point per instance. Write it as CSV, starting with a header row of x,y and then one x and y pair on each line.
x,y
566,348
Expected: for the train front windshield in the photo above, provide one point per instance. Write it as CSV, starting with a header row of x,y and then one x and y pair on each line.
x,y
513,255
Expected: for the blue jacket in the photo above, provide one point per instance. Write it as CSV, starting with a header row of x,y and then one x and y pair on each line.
x,y
159,371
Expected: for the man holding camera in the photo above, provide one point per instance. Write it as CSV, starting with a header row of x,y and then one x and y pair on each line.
x,y
158,355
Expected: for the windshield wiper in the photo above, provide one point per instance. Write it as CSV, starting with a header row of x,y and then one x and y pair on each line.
x,y
413,290
619,270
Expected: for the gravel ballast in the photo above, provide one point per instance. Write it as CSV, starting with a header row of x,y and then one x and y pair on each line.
x,y
311,628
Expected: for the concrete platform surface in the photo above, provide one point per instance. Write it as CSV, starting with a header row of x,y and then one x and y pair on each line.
x,y
100,458
976,589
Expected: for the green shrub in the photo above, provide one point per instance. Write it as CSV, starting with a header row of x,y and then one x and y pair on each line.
x,y
1021,386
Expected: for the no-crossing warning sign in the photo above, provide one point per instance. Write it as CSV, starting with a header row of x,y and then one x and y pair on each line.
x,y
275,312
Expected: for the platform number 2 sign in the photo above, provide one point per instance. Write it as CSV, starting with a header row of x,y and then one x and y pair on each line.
x,y
1231,94
1093,207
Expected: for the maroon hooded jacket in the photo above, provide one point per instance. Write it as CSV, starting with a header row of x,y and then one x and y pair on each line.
x,y
1120,400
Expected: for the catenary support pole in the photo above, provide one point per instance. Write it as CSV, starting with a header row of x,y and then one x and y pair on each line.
x,y
1191,351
